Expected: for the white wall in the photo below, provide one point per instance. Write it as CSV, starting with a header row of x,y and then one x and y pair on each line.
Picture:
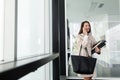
x,y
113,44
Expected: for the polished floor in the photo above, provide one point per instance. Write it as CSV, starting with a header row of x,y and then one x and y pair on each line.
x,y
102,70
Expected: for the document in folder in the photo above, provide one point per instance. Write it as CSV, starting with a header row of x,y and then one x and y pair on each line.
x,y
99,44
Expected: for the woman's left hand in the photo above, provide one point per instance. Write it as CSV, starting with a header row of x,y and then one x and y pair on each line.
x,y
97,50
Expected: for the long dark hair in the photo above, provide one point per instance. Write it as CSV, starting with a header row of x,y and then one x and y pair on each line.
x,y
82,25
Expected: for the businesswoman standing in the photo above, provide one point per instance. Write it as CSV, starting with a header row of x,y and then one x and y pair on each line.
x,y
86,40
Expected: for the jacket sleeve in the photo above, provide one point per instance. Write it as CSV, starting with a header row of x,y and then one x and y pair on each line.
x,y
94,42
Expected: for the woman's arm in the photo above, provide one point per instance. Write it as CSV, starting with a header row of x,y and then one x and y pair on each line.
x,y
97,50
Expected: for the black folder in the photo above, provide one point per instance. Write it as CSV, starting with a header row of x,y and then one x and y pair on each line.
x,y
99,44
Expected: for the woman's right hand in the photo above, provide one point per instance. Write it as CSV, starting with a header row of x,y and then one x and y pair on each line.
x,y
97,50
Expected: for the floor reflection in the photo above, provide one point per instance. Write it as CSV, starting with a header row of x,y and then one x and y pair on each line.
x,y
105,70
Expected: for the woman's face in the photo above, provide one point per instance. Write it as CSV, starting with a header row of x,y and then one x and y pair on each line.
x,y
86,27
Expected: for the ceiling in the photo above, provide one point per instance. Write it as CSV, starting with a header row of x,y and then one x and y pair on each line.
x,y
78,10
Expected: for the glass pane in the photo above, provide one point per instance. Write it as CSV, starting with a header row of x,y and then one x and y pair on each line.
x,y
105,24
39,74
31,30
1,28
47,25
42,73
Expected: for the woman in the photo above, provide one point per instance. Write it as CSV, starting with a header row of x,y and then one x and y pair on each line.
x,y
86,40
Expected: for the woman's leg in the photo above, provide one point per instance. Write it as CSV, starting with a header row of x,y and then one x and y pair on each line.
x,y
87,78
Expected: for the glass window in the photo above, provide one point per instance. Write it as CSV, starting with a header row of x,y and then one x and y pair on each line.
x,y
37,75
1,28
33,28
34,34
42,73
105,24
9,30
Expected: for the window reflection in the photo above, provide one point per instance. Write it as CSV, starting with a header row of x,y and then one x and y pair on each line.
x,y
108,61
105,24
